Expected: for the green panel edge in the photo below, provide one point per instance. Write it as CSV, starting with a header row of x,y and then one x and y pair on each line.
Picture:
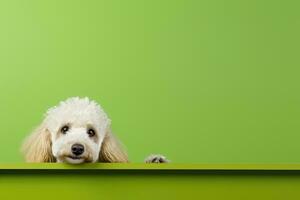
x,y
143,166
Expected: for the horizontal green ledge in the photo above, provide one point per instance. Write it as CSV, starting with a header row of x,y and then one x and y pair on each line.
x,y
143,166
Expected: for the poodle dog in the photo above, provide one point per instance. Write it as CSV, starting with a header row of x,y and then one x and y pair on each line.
x,y
77,131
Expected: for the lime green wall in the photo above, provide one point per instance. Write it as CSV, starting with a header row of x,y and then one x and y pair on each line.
x,y
200,81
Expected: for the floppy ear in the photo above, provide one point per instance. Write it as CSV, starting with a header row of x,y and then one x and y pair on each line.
x,y
111,150
37,147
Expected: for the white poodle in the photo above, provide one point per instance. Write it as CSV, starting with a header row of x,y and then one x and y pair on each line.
x,y
76,131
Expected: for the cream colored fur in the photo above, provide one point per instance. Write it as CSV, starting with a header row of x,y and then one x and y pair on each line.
x,y
111,150
37,147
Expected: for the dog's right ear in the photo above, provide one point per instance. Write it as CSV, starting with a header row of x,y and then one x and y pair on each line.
x,y
37,147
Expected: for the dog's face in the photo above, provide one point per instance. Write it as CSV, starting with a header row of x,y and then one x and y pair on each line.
x,y
77,128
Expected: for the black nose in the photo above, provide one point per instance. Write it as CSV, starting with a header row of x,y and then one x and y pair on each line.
x,y
77,149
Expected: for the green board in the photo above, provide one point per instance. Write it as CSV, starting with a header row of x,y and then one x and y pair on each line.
x,y
152,181
200,81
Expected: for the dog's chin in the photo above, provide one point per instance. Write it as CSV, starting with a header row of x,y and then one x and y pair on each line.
x,y
74,160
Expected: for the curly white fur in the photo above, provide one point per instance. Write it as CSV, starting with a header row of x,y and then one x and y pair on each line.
x,y
49,144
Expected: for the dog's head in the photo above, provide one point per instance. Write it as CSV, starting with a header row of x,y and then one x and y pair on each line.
x,y
77,128
75,131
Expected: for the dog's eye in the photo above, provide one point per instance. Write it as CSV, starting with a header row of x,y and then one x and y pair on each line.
x,y
91,132
64,129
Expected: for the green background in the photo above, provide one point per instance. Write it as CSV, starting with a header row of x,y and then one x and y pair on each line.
x,y
214,81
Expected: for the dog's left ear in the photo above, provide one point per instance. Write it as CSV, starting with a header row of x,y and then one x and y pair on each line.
x,y
111,150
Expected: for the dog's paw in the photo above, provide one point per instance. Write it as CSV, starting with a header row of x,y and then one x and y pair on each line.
x,y
156,159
